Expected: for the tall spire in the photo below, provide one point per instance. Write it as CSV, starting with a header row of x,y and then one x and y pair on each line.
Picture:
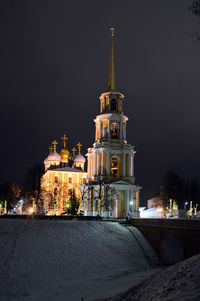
x,y
111,80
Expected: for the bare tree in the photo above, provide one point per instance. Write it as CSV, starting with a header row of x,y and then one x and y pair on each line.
x,y
195,9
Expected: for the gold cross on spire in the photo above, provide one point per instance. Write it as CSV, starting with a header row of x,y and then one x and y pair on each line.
x,y
73,151
64,139
79,147
54,144
51,149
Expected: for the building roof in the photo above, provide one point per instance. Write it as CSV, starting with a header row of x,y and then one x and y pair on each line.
x,y
79,158
67,169
54,156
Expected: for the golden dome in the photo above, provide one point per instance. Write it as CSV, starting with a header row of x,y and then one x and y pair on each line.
x,y
64,155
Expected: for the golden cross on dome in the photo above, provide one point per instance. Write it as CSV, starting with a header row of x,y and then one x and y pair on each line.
x,y
112,31
54,144
51,149
64,139
73,151
79,147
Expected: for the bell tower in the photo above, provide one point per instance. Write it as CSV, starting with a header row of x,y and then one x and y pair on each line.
x,y
111,160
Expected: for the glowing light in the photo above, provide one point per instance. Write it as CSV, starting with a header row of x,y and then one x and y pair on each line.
x,y
159,209
31,210
131,202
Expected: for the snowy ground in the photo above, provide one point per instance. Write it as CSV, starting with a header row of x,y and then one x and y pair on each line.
x,y
178,282
68,260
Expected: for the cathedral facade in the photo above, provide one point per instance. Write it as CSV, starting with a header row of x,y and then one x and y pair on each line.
x,y
63,177
108,187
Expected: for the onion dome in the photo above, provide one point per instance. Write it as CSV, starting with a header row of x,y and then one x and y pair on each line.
x,y
79,158
64,154
46,161
54,156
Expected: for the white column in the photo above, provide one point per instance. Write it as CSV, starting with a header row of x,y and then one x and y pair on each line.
x,y
109,199
109,129
100,134
88,167
137,200
96,126
94,163
129,165
124,165
127,201
131,200
108,163
102,162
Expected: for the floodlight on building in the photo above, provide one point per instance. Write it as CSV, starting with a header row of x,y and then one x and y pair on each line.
x,y
31,210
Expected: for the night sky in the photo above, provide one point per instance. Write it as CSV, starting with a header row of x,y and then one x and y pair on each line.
x,y
54,66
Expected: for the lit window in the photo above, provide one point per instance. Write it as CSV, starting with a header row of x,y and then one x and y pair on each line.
x,y
114,130
70,192
115,167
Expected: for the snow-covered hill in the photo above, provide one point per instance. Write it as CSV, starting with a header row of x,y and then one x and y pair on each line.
x,y
180,282
68,260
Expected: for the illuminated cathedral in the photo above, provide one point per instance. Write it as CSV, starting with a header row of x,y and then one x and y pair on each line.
x,y
63,177
108,187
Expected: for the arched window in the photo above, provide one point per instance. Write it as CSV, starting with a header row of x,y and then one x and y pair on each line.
x,y
83,180
56,179
113,105
70,191
70,180
115,167
114,130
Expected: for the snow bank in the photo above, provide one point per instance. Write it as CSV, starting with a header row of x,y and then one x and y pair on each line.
x,y
178,282
69,260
